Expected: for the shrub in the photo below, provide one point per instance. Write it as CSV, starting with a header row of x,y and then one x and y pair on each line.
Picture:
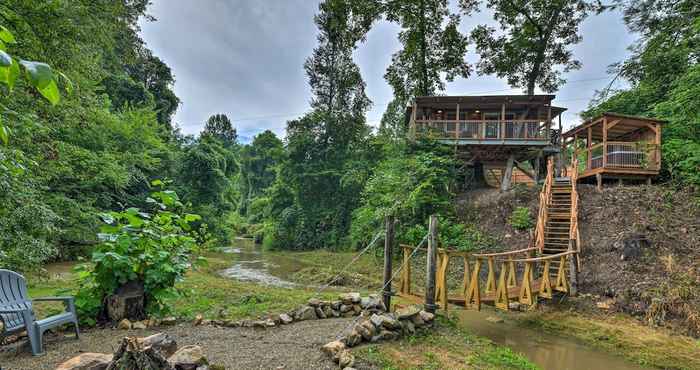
x,y
152,249
521,219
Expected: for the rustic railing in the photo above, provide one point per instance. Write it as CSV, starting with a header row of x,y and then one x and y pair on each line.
x,y
484,129
545,199
497,278
620,154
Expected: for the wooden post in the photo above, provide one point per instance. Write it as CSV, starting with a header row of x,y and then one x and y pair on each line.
x,y
503,121
599,181
573,275
589,142
388,256
431,265
508,173
605,141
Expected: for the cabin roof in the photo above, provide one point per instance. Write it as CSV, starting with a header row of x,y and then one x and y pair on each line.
x,y
626,124
485,99
485,102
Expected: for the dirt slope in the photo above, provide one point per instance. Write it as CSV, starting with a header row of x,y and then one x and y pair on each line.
x,y
641,246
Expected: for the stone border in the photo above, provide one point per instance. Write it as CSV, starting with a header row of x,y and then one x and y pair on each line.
x,y
377,327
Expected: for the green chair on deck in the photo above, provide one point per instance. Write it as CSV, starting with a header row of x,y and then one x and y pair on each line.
x,y
16,313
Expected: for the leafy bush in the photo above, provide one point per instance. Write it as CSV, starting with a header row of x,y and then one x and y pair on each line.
x,y
451,235
521,219
152,249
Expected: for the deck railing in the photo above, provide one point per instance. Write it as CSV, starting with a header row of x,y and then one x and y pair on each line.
x,y
619,154
484,129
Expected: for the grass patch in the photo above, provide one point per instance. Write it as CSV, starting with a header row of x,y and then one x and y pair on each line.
x,y
624,336
445,347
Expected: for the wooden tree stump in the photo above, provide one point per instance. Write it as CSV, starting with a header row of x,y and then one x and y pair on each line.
x,y
133,356
127,302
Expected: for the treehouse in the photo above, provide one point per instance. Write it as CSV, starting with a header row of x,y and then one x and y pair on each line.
x,y
616,146
495,134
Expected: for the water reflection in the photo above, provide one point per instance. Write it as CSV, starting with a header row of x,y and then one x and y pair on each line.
x,y
254,265
550,352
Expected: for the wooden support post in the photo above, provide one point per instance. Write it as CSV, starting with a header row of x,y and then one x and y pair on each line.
x,y
431,265
388,257
589,143
599,181
538,161
605,142
573,275
508,173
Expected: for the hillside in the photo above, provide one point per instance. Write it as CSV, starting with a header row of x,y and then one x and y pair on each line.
x,y
640,246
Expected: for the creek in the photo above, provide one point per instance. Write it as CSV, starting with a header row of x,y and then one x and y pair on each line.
x,y
548,351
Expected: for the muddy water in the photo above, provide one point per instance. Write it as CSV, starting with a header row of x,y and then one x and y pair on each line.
x,y
253,264
550,352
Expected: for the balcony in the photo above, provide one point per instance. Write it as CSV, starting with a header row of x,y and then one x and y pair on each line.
x,y
621,155
485,131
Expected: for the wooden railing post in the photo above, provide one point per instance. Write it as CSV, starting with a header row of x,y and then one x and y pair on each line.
x,y
431,265
388,257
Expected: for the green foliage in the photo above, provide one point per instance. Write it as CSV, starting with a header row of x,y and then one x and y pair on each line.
x,y
153,249
521,219
408,185
535,37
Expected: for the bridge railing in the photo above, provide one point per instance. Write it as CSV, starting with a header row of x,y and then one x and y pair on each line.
x,y
497,278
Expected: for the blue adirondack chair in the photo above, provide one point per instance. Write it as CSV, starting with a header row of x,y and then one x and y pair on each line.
x,y
16,311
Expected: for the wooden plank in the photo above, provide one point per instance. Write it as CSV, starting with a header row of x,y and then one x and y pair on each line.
x,y
431,268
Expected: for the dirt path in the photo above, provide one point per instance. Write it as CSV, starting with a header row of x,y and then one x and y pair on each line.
x,y
295,346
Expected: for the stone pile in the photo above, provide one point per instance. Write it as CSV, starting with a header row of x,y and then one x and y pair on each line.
x,y
375,327
347,305
156,352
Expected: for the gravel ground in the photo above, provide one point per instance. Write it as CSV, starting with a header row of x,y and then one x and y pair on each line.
x,y
295,346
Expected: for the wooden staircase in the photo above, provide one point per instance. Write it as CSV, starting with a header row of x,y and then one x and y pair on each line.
x,y
558,223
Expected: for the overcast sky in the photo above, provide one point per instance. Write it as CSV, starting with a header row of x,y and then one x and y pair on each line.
x,y
245,57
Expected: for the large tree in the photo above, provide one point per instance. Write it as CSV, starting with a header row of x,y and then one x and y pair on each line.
x,y
220,127
323,144
431,47
533,46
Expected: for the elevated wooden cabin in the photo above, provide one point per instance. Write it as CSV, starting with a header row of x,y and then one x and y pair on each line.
x,y
616,146
494,132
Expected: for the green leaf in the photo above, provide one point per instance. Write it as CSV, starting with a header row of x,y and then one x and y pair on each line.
x,y
156,182
6,36
40,75
5,59
67,81
4,133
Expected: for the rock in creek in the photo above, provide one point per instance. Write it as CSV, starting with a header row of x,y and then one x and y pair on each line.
x,y
87,361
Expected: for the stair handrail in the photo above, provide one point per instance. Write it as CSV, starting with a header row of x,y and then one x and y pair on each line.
x,y
573,226
545,200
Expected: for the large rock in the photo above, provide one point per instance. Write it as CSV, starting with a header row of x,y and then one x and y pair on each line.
x,y
427,316
407,312
350,298
314,302
353,339
87,361
332,348
306,313
286,319
161,342
345,359
124,324
188,358
385,320
319,313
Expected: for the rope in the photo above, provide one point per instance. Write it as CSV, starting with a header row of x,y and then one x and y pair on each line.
x,y
337,276
353,322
